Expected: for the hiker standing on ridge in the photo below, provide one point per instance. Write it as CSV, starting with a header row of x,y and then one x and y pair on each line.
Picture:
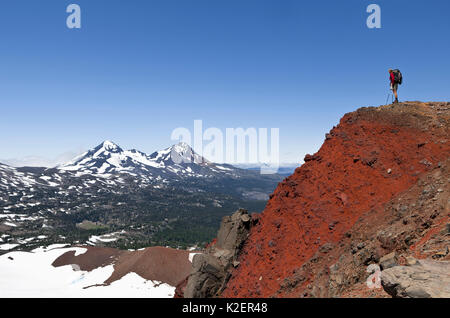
x,y
396,78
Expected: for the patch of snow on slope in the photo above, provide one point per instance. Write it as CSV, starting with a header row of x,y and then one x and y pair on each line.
x,y
142,158
223,168
191,256
7,246
31,275
105,238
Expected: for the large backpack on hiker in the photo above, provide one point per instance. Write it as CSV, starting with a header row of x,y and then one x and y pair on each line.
x,y
398,77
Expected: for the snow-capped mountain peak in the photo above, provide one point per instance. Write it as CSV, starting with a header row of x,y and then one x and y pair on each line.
x,y
110,146
101,159
108,157
180,153
182,147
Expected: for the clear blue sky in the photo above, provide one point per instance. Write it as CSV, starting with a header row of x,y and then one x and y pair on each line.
x,y
138,69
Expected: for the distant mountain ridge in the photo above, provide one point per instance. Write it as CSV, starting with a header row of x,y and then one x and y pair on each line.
x,y
170,196
109,158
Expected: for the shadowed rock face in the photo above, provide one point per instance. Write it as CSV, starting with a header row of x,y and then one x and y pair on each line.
x,y
424,279
211,270
341,211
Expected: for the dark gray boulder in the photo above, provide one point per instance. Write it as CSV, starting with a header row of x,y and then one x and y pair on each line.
x,y
212,270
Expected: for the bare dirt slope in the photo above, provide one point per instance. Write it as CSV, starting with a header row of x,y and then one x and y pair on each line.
x,y
154,263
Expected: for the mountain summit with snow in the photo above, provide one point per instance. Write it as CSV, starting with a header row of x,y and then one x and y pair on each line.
x,y
179,153
108,158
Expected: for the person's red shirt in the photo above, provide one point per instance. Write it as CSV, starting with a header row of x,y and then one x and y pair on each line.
x,y
392,78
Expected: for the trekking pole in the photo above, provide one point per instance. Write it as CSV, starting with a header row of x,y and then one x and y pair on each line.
x,y
387,99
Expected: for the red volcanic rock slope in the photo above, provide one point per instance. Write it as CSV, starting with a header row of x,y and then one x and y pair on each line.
x,y
373,155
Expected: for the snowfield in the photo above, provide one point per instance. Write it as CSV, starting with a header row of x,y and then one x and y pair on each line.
x,y
31,275
7,246
105,238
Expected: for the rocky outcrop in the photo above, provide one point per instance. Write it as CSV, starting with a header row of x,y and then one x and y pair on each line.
x,y
424,279
211,270
388,261
379,184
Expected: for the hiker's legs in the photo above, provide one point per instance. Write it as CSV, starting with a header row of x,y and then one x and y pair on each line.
x,y
395,89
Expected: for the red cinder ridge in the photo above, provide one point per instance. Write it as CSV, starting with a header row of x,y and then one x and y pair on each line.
x,y
371,156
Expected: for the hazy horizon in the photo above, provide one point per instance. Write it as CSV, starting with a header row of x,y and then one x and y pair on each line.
x,y
35,161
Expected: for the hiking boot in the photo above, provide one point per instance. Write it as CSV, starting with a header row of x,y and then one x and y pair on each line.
x,y
396,101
